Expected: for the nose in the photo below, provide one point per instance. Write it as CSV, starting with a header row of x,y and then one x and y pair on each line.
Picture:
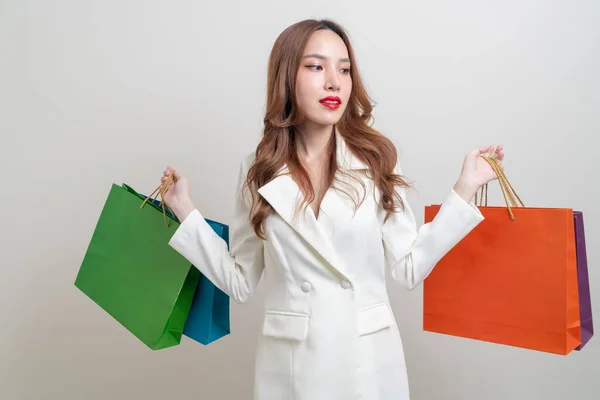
x,y
332,81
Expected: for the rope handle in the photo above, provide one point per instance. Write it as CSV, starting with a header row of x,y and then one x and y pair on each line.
x,y
161,190
508,192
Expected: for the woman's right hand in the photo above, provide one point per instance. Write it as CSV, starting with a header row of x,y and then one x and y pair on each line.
x,y
177,195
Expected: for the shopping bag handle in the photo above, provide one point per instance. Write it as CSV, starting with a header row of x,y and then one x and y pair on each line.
x,y
161,190
509,193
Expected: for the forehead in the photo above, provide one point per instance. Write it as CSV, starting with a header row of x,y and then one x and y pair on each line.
x,y
326,43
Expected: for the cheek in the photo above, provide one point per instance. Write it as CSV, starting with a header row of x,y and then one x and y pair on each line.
x,y
306,89
309,80
300,86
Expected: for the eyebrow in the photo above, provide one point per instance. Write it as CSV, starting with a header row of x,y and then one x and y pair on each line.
x,y
321,57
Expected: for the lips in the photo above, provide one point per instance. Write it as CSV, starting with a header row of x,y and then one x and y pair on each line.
x,y
331,102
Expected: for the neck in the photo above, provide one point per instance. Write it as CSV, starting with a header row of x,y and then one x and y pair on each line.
x,y
312,143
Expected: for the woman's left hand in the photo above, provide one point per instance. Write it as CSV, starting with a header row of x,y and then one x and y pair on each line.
x,y
476,171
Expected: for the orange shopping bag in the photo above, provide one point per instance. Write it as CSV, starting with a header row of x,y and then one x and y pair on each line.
x,y
512,280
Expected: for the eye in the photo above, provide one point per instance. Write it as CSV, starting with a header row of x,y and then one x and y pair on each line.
x,y
345,70
315,67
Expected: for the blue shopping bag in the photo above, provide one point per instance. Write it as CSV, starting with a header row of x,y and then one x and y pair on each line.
x,y
209,317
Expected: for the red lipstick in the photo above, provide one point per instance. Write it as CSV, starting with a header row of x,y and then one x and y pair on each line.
x,y
331,102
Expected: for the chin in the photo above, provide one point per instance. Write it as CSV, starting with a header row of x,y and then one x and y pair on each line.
x,y
331,119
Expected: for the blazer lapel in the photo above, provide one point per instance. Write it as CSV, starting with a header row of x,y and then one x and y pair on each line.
x,y
284,195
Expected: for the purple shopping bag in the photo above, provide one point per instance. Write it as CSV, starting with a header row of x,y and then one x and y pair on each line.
x,y
585,303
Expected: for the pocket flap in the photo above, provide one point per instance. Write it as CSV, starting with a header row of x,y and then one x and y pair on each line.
x,y
286,325
374,318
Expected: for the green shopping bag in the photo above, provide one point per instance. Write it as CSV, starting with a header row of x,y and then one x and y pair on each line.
x,y
131,272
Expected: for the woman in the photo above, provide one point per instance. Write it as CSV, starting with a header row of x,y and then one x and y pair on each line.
x,y
321,212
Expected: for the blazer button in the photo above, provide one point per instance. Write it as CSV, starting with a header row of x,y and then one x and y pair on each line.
x,y
346,284
306,287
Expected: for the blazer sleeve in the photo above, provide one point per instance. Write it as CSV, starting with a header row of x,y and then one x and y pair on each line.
x,y
237,270
411,253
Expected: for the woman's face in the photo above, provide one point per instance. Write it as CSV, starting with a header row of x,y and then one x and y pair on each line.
x,y
323,82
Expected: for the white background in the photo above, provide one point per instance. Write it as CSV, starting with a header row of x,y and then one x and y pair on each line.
x,y
100,92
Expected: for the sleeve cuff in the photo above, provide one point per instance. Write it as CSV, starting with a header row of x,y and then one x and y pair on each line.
x,y
186,229
466,206
192,217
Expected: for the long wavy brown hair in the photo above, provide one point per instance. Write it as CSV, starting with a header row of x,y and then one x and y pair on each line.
x,y
278,145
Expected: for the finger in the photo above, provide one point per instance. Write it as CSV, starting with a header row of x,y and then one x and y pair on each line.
x,y
477,151
488,150
170,171
493,153
483,151
500,154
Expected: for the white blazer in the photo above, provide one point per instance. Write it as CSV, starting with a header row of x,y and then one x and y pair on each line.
x,y
328,330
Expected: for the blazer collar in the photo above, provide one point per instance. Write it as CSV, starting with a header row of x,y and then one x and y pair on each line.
x,y
284,195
